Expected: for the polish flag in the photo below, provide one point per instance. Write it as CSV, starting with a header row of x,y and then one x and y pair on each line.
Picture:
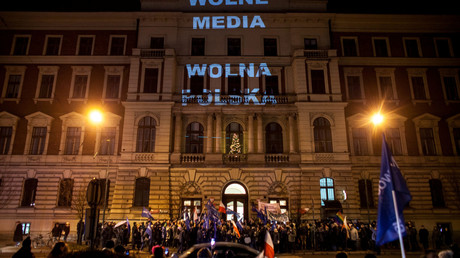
x,y
222,208
269,250
195,215
235,229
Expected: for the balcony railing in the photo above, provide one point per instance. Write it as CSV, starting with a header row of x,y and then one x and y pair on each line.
x,y
192,158
153,53
237,99
316,53
276,158
235,158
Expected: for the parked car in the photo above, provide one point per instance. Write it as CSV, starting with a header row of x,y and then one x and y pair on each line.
x,y
222,250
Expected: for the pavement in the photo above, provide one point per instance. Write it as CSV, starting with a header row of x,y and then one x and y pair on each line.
x,y
9,250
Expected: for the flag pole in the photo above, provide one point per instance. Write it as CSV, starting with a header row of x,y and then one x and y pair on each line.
x,y
401,243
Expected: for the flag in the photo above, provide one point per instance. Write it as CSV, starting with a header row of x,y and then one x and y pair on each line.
x,y
269,250
146,214
260,215
391,181
187,220
222,208
129,226
339,217
303,211
195,215
148,230
235,228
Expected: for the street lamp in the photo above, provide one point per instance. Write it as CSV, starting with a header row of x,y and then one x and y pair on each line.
x,y
96,117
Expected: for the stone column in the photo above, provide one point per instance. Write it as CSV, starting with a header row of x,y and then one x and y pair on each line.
x,y
251,133
218,133
260,143
291,134
178,134
209,134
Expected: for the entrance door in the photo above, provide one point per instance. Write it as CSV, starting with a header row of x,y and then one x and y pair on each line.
x,y
235,198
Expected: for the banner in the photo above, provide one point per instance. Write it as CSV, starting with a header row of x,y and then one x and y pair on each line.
x,y
278,217
271,207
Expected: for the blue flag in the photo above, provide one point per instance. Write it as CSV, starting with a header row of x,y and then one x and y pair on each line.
x,y
129,226
390,180
148,230
146,213
187,219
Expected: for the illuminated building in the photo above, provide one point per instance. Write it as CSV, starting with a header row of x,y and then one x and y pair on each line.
x,y
166,145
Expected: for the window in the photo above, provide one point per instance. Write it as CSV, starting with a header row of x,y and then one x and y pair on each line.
x,y
107,141
323,135
427,141
386,83
157,43
437,197
273,138
194,138
196,85
450,85
310,44
72,141
38,140
317,82
5,139
117,45
326,186
85,45
198,46
113,86
233,128
365,193
234,85
360,141
29,192
102,182
146,134
80,83
349,46
25,228
190,205
418,86
142,192
354,87
20,45
412,47
270,47
271,85
393,139
443,47
46,86
151,80
52,45
13,86
283,202
234,47
381,48
65,193
456,135
79,89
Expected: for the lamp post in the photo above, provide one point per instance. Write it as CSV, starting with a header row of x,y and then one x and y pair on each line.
x,y
97,118
376,119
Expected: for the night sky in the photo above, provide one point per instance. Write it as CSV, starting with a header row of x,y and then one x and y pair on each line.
x,y
335,6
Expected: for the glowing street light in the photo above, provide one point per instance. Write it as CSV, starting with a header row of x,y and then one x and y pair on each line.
x,y
377,119
96,117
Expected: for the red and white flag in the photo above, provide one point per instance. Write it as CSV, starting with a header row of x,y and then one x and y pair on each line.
x,y
235,229
222,208
195,215
269,250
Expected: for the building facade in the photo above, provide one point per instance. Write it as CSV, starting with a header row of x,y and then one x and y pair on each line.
x,y
271,103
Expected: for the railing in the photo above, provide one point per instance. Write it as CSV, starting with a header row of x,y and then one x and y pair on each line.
x,y
192,158
276,158
235,158
316,53
206,99
152,53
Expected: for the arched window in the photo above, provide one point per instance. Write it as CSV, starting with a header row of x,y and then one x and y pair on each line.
x,y
65,193
273,138
437,197
326,186
29,192
146,131
194,138
141,192
323,136
230,138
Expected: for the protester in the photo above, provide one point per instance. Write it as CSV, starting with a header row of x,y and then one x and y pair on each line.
x,y
26,250
66,231
59,250
17,237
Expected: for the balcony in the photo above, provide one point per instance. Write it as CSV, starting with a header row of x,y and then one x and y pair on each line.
x,y
192,158
256,99
235,158
276,158
153,53
315,53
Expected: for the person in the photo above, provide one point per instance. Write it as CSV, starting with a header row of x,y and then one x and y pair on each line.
x,y
446,254
158,252
66,230
430,254
341,255
119,250
18,233
423,235
59,250
108,248
26,250
80,231
354,237
56,232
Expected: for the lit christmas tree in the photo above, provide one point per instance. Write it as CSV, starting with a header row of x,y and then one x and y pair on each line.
x,y
235,147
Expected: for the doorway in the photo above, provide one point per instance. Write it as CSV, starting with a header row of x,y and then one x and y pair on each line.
x,y
235,198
